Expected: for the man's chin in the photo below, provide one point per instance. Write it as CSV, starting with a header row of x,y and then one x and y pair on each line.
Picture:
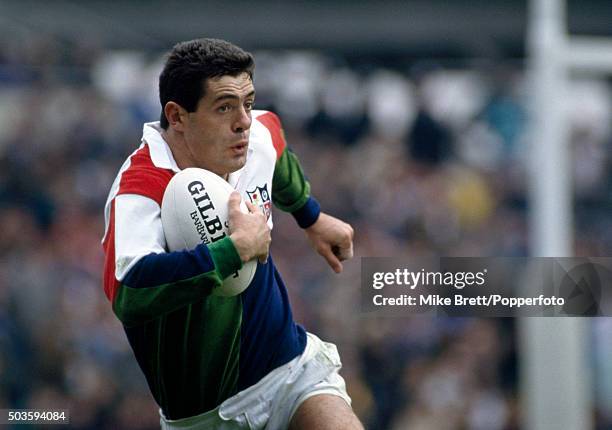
x,y
237,164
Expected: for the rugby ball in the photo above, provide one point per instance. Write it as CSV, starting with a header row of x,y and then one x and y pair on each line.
x,y
195,210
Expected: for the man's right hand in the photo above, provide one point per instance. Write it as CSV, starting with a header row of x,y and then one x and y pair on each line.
x,y
249,232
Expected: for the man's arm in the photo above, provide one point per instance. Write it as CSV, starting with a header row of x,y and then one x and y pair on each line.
x,y
329,236
152,282
291,190
161,283
333,239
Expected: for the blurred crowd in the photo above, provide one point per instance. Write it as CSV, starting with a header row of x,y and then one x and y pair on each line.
x,y
422,158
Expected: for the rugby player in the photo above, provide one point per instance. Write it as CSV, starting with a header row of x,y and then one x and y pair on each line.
x,y
216,362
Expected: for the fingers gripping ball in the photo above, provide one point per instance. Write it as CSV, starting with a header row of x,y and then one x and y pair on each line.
x,y
195,210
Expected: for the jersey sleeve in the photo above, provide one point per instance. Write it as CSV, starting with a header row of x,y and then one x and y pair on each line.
x,y
290,188
150,282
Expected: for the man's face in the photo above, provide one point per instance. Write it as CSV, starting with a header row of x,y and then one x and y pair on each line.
x,y
217,133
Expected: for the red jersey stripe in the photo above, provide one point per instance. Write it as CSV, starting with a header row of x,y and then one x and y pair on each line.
x,y
109,280
143,178
272,123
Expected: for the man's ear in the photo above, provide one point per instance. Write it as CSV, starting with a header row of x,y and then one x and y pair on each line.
x,y
176,116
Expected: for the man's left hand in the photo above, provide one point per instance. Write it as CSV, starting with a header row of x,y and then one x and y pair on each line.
x,y
333,239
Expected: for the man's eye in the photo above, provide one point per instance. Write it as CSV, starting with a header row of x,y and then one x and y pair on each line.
x,y
248,105
224,108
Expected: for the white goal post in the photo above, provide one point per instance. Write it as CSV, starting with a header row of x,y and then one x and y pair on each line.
x,y
556,383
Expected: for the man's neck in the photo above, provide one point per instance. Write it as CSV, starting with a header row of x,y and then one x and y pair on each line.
x,y
176,144
179,150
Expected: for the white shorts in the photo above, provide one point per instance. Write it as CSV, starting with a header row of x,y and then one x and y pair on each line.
x,y
271,403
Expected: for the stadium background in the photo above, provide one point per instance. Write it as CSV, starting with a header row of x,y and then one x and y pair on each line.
x,y
410,119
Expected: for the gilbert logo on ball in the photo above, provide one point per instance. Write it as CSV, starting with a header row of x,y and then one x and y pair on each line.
x,y
195,210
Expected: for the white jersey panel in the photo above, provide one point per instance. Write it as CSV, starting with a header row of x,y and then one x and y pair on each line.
x,y
138,231
254,180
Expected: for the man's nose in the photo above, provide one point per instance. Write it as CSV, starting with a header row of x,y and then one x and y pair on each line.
x,y
243,122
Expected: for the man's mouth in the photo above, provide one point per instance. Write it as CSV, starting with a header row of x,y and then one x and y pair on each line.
x,y
240,148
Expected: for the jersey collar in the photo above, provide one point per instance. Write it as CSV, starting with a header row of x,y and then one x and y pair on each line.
x,y
161,155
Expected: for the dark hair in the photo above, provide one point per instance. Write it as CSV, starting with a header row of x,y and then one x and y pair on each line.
x,y
189,64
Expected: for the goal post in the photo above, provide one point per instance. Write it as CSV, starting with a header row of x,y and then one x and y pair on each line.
x,y
556,383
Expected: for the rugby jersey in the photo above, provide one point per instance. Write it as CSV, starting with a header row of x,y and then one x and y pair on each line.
x,y
197,349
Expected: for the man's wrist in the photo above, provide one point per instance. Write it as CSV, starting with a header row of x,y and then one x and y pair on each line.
x,y
308,214
242,250
226,257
